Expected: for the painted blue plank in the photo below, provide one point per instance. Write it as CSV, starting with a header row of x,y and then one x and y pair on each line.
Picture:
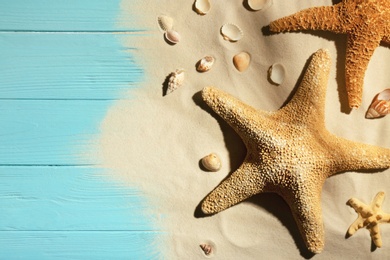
x,y
63,15
78,245
50,132
66,66
69,199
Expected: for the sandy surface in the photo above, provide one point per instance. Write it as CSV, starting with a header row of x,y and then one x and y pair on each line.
x,y
154,142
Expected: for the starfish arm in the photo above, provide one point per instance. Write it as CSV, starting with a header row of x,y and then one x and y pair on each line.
x,y
349,156
306,209
385,218
355,226
245,182
359,207
325,18
237,114
375,234
378,200
360,49
307,104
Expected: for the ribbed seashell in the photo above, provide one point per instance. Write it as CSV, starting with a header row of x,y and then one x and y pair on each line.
x,y
380,106
212,162
205,64
175,80
277,73
231,32
172,36
241,61
165,22
207,249
257,5
202,6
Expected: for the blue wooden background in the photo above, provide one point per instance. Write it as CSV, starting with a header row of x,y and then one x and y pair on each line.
x,y
61,67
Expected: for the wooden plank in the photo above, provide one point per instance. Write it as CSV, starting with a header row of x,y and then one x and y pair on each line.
x,y
69,199
50,132
60,15
78,245
65,66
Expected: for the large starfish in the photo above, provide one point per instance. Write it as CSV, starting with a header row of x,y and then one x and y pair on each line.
x,y
366,22
369,216
289,152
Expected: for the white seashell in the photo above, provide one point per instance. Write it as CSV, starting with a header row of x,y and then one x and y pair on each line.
x,y
202,6
241,61
380,106
212,162
172,36
165,22
257,5
205,64
231,32
277,73
207,249
175,80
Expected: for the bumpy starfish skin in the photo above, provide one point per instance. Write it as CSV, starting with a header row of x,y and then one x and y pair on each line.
x,y
369,216
289,152
366,22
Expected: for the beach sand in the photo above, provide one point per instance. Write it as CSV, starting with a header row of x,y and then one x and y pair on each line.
x,y
154,142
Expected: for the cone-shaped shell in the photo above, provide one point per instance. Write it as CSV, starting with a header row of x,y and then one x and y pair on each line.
x,y
231,32
202,6
176,80
380,106
241,61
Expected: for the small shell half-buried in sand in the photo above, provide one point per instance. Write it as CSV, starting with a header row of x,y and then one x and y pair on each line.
x,y
165,22
202,6
231,32
257,5
380,106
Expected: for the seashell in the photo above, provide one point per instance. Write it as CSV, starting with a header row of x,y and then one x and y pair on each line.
x,y
212,162
175,80
172,36
277,73
202,6
231,32
257,5
205,64
207,249
380,106
165,22
241,61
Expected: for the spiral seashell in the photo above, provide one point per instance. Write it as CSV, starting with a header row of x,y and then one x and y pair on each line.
x,y
172,36
231,32
380,106
175,80
165,22
205,64
207,249
241,61
212,162
202,6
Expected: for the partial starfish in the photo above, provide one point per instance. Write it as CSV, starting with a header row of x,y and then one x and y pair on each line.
x,y
366,22
289,152
369,216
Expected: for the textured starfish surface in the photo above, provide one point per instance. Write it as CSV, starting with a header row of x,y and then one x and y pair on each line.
x,y
289,152
369,216
366,22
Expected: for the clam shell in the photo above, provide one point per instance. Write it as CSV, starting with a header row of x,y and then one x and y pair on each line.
x,y
231,32
241,61
380,106
277,73
202,6
176,80
212,162
172,36
257,5
165,22
205,64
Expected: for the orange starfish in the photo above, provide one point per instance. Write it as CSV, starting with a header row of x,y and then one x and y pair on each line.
x,y
366,22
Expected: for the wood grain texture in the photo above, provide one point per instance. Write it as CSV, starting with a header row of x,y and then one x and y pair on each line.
x,y
66,66
59,15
